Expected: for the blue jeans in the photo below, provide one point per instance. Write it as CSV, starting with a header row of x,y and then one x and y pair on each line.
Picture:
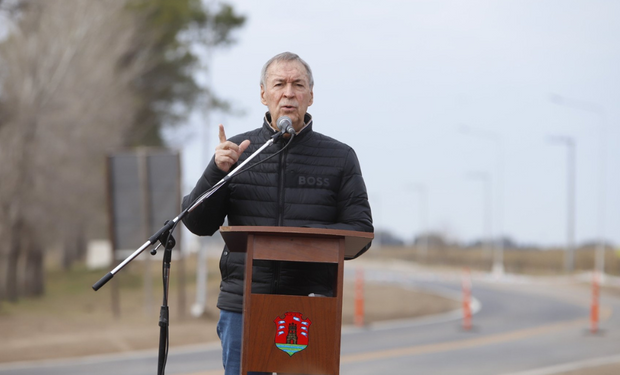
x,y
229,329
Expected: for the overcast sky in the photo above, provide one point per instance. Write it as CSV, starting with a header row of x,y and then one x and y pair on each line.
x,y
399,80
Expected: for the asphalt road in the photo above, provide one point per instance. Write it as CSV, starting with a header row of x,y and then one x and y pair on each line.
x,y
521,327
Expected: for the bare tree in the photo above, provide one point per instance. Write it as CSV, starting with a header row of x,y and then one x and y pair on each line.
x,y
64,102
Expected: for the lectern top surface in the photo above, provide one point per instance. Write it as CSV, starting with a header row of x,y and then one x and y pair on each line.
x,y
355,242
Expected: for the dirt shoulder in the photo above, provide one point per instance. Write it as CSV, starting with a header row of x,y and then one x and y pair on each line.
x,y
59,326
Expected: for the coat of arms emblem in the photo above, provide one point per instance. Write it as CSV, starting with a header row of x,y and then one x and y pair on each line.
x,y
292,332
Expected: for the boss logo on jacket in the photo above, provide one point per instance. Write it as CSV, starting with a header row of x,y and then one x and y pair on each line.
x,y
311,181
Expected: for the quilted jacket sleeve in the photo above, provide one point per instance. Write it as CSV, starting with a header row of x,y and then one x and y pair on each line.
x,y
205,219
353,206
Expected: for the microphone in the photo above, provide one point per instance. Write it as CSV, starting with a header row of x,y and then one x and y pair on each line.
x,y
285,125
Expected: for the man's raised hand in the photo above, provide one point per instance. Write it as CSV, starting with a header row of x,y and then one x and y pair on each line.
x,y
227,153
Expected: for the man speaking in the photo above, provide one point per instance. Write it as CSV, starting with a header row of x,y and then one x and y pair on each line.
x,y
315,181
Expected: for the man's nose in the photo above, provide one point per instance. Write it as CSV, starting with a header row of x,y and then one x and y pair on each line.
x,y
288,91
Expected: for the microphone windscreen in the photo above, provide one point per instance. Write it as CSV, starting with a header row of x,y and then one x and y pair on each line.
x,y
283,123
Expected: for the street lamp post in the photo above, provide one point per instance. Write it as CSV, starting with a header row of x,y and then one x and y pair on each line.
x,y
376,199
487,209
420,188
199,307
599,111
498,260
569,256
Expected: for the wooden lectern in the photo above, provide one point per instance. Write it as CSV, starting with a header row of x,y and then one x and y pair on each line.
x,y
293,334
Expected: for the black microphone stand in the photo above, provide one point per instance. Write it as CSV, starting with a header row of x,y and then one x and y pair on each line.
x,y
164,237
164,321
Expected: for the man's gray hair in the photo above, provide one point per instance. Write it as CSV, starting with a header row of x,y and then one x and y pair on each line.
x,y
285,56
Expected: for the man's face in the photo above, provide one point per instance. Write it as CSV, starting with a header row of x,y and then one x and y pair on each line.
x,y
287,92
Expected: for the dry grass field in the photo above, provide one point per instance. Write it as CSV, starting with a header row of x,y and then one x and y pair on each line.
x,y
519,261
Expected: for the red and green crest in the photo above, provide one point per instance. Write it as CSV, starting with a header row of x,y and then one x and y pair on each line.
x,y
292,332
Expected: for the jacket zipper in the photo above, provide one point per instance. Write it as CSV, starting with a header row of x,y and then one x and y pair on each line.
x,y
281,167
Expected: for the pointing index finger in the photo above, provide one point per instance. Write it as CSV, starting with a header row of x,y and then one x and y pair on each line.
x,y
222,134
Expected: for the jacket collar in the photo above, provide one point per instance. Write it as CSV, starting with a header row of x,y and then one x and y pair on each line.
x,y
307,129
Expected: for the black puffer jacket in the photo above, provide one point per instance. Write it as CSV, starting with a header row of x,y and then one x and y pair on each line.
x,y
315,182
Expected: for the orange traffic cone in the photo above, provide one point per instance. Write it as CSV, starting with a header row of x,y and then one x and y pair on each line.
x,y
359,297
466,283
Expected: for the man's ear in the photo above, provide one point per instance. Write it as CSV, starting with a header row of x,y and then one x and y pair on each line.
x,y
311,98
262,95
